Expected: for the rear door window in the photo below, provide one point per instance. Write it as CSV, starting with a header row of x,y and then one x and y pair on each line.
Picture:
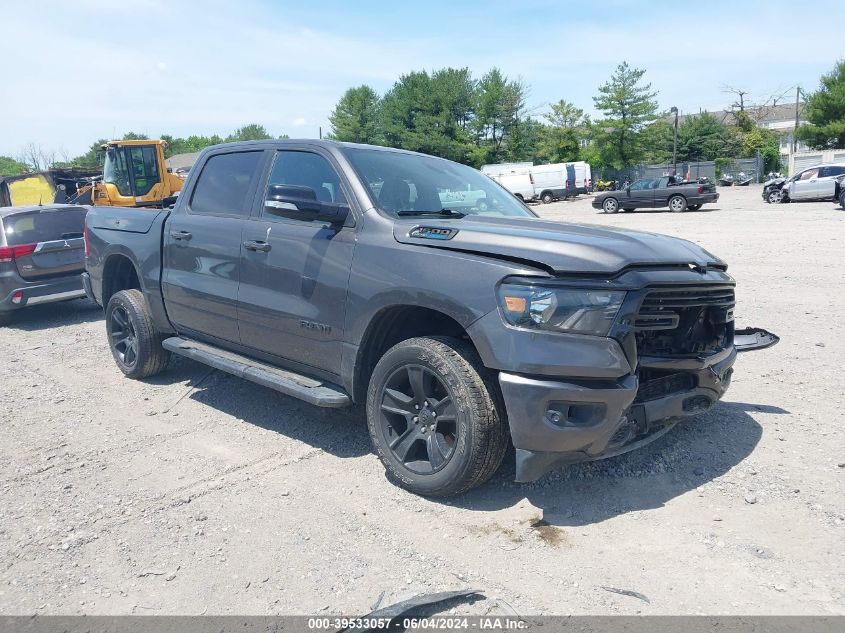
x,y
224,183
833,170
44,225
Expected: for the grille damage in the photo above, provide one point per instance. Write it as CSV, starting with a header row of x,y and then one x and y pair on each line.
x,y
689,321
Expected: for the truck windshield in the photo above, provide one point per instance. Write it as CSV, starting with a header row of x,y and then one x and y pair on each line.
x,y
399,182
116,171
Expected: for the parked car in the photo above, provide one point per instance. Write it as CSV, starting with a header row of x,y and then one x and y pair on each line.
x,y
41,255
653,193
333,273
814,183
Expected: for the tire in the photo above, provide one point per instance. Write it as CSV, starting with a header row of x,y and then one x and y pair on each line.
x,y
434,416
842,199
547,198
5,318
774,196
694,207
134,341
677,204
610,205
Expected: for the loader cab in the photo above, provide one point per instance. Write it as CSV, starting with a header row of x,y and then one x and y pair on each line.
x,y
135,174
133,170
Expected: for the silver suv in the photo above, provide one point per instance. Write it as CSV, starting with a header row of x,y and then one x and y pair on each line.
x,y
41,255
814,183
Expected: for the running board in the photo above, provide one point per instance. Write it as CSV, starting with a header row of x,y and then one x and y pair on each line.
x,y
308,389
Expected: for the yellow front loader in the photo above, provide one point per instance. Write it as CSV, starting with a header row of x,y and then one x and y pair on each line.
x,y
134,175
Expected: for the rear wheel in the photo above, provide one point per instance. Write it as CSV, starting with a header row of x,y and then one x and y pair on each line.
x,y
547,198
433,416
610,205
134,341
677,204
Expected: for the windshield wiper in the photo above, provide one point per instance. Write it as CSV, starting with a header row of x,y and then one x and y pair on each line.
x,y
443,213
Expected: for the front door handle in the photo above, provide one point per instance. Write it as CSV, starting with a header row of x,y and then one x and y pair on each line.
x,y
255,245
180,235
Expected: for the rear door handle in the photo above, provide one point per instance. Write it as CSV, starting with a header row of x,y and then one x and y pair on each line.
x,y
180,235
255,245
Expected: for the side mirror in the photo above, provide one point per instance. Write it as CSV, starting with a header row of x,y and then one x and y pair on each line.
x,y
300,203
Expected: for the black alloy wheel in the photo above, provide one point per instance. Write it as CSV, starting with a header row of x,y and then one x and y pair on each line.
x,y
418,419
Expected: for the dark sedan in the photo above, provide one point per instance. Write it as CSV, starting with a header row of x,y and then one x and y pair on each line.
x,y
654,193
41,255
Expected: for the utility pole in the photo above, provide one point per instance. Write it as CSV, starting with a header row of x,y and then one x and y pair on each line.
x,y
795,131
675,143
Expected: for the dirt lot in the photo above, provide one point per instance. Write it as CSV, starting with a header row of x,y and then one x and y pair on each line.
x,y
197,492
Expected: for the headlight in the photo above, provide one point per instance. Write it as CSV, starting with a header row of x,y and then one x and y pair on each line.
x,y
560,309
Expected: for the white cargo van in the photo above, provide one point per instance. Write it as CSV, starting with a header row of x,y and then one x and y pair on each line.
x,y
550,182
515,177
579,177
519,184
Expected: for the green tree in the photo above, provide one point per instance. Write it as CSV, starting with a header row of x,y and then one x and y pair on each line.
x,y
628,106
429,113
705,137
11,167
657,141
561,136
498,112
524,141
355,117
825,112
250,132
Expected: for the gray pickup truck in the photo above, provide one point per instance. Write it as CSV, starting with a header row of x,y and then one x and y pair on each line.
x,y
654,193
334,273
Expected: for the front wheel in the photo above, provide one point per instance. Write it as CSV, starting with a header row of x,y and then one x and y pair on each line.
x,y
134,341
774,196
610,205
433,416
677,204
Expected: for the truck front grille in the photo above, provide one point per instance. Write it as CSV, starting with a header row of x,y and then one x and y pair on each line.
x,y
685,321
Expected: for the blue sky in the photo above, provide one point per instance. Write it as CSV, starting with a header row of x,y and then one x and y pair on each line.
x,y
82,70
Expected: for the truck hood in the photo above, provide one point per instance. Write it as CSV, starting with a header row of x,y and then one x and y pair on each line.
x,y
556,246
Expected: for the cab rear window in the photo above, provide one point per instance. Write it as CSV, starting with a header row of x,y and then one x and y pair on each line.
x,y
44,225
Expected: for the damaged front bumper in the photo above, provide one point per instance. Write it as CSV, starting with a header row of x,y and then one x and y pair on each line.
x,y
560,421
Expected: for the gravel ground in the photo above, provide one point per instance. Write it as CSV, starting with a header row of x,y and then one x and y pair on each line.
x,y
196,492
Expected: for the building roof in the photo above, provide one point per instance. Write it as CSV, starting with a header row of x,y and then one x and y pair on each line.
x,y
763,115
182,161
